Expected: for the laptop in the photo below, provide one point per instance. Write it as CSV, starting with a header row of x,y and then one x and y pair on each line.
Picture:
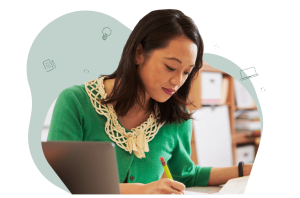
x,y
84,167
248,73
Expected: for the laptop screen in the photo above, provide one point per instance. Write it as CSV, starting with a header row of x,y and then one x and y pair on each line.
x,y
84,167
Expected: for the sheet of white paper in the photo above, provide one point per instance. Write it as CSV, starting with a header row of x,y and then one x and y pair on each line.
x,y
235,186
199,193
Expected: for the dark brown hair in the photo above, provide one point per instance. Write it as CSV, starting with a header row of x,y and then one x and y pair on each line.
x,y
154,31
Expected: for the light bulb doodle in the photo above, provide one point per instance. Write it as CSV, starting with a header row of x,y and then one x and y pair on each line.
x,y
106,32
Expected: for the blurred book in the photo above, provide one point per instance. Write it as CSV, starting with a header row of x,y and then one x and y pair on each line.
x,y
248,121
249,114
243,98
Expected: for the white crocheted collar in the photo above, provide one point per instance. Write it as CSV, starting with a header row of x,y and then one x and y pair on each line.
x,y
136,140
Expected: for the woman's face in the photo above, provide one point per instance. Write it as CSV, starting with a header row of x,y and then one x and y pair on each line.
x,y
167,69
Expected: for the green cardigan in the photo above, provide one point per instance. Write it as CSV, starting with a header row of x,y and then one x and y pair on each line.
x,y
75,119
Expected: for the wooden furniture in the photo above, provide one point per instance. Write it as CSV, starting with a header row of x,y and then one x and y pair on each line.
x,y
195,97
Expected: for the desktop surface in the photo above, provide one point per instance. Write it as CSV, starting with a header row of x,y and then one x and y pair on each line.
x,y
207,189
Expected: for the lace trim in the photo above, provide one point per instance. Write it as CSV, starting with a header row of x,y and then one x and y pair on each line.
x,y
137,140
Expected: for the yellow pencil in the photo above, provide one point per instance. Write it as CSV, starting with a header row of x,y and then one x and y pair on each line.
x,y
166,168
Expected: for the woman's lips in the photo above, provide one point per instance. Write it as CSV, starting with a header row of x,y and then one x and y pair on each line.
x,y
169,92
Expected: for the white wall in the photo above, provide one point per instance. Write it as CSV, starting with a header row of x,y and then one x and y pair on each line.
x,y
47,123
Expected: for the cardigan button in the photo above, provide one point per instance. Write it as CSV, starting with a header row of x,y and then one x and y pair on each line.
x,y
132,178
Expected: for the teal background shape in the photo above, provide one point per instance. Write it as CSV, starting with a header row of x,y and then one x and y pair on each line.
x,y
74,42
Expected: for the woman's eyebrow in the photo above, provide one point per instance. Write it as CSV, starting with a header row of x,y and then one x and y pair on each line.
x,y
173,58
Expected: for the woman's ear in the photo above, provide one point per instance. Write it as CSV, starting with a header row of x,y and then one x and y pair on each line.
x,y
139,55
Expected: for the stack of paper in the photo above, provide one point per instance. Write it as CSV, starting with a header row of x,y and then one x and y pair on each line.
x,y
248,121
233,186
250,114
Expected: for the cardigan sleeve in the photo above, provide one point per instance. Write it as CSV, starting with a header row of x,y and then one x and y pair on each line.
x,y
180,164
67,118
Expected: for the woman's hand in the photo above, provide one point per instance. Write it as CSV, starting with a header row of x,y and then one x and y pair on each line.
x,y
164,186
247,169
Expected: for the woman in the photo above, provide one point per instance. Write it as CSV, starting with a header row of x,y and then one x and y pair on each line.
x,y
142,108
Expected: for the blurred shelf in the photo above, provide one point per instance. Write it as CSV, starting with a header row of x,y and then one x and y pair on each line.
x,y
257,140
243,138
252,108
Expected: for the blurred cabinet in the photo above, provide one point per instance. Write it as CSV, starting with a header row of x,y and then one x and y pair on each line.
x,y
245,153
196,98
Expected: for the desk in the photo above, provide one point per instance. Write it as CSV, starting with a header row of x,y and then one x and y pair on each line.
x,y
208,189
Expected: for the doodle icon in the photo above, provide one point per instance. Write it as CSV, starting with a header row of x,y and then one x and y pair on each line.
x,y
48,65
248,73
244,75
263,89
106,32
216,46
86,71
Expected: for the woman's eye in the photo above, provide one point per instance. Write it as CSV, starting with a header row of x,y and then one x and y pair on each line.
x,y
171,69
